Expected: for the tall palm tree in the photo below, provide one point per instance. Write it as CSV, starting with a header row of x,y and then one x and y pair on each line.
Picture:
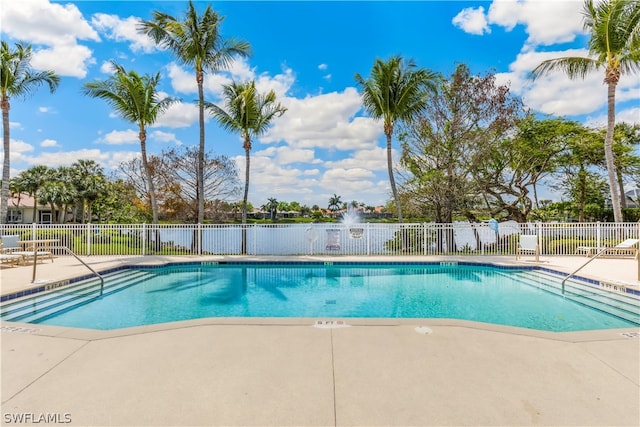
x,y
196,41
249,113
614,45
134,98
17,79
395,91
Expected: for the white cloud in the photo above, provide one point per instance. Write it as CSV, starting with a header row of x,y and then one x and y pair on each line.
x,y
43,109
67,158
630,115
42,22
472,21
372,159
167,137
183,80
77,59
18,146
54,26
280,83
286,155
123,30
107,67
352,184
178,115
325,121
554,93
49,143
546,22
322,67
119,137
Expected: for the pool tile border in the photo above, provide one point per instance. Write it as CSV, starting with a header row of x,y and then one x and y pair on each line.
x,y
445,264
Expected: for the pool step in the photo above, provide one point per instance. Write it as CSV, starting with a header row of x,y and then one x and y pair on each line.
x,y
621,305
37,308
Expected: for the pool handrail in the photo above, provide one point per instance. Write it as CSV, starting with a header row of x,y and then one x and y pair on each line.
x,y
603,250
69,251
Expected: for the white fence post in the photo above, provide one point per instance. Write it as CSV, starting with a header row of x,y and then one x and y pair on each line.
x,y
144,239
88,230
424,239
539,233
598,235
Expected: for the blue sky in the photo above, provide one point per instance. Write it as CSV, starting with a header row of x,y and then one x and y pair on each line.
x,y
308,52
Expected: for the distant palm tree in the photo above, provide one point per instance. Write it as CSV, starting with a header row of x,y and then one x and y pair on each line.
x,y
16,80
395,91
88,180
31,180
249,113
196,41
614,44
134,98
335,202
272,206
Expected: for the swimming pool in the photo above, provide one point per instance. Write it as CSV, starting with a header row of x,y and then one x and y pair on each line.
x,y
526,298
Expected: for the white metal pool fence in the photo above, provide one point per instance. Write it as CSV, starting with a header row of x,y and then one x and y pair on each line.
x,y
461,238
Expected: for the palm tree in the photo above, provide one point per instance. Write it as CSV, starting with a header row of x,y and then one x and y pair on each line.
x,y
272,206
31,180
614,44
395,91
335,202
196,41
87,177
249,113
16,80
135,99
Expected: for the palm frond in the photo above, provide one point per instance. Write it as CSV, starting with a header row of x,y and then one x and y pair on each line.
x,y
16,76
573,67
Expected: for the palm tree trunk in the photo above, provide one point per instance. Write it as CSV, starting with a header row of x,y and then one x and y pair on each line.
x,y
35,209
147,171
200,81
6,165
608,152
582,193
392,181
246,195
623,197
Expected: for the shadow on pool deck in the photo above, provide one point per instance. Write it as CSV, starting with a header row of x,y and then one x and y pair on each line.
x,y
286,372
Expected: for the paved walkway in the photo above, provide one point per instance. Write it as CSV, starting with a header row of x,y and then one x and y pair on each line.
x,y
290,372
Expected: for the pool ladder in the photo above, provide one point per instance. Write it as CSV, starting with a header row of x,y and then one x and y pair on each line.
x,y
603,250
68,251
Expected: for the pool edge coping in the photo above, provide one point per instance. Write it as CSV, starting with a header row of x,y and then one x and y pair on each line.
x,y
82,334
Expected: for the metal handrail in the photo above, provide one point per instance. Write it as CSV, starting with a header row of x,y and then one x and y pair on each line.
x,y
69,251
603,250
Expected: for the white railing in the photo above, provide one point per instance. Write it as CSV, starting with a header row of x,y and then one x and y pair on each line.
x,y
324,238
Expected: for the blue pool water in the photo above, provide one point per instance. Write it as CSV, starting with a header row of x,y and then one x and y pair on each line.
x,y
142,296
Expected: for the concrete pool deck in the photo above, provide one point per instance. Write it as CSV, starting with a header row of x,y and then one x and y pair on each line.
x,y
291,372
